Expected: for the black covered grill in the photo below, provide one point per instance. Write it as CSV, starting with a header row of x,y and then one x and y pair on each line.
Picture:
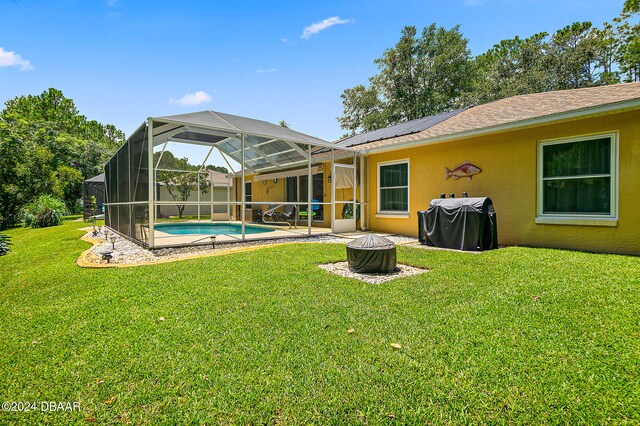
x,y
459,223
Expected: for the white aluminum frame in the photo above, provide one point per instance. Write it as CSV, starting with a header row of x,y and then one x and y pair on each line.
x,y
162,134
394,213
577,218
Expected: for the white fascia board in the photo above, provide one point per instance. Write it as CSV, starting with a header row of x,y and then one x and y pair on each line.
x,y
622,106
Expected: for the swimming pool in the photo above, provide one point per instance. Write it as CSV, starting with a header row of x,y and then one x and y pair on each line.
x,y
209,228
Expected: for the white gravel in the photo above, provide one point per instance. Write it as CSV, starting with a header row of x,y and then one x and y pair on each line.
x,y
128,252
342,269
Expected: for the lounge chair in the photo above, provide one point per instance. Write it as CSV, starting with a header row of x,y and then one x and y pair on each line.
x,y
289,212
271,213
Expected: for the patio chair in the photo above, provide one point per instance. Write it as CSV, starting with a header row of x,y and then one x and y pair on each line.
x,y
289,212
271,213
314,209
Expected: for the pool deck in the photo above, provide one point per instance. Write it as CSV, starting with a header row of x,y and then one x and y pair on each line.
x,y
163,239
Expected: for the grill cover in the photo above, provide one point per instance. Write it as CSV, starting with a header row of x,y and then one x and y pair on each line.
x,y
459,223
372,253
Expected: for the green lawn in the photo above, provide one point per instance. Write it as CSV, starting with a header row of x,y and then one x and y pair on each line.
x,y
513,336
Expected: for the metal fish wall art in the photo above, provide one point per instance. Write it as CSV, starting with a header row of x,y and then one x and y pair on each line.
x,y
465,169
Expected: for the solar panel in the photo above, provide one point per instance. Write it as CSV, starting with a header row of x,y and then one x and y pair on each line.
x,y
401,129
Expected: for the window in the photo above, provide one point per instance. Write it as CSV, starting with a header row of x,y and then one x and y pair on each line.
x,y
247,194
291,189
577,177
393,187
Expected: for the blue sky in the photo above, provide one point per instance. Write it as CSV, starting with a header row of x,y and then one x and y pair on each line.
x,y
123,60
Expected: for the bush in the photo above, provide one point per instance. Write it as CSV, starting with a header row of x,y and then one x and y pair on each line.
x,y
4,244
43,212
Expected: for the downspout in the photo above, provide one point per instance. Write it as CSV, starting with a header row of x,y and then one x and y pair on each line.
x,y
362,222
354,205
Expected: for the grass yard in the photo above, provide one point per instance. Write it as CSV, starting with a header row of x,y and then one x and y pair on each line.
x,y
513,336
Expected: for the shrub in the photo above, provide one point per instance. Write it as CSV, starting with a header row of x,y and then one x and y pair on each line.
x,y
4,244
43,212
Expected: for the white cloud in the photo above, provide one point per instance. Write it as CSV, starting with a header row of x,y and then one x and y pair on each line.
x,y
266,70
191,99
114,9
12,59
323,25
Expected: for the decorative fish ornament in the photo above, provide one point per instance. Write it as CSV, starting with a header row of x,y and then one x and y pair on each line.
x,y
465,169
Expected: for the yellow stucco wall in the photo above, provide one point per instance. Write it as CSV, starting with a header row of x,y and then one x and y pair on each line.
x,y
508,162
262,194
270,192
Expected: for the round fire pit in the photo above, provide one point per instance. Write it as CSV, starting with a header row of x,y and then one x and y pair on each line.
x,y
372,254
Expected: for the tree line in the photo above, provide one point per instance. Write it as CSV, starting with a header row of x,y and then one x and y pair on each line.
x,y
47,148
434,71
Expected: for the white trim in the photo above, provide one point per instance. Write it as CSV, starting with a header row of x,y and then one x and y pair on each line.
x,y
559,220
392,216
530,122
610,219
343,225
391,213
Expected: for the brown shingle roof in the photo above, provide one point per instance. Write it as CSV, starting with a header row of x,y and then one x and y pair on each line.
x,y
218,179
519,111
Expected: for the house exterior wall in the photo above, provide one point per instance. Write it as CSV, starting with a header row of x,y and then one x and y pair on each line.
x,y
267,193
262,194
509,176
219,194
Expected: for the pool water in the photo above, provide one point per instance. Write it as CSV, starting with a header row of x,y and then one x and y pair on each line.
x,y
209,228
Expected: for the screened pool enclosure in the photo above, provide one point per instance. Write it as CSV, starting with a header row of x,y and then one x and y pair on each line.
x,y
210,177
